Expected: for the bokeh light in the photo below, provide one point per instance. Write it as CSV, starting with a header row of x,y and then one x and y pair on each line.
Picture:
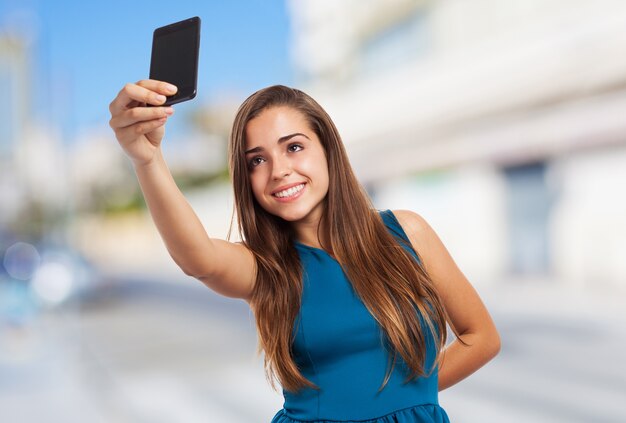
x,y
21,260
53,283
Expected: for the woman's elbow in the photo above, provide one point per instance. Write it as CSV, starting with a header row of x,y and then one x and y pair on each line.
x,y
494,344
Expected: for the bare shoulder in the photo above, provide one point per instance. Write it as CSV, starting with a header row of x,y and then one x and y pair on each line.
x,y
452,284
410,220
425,241
416,227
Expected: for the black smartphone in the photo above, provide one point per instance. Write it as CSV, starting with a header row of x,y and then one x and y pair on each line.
x,y
175,51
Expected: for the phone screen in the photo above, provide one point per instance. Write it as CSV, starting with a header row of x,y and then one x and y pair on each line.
x,y
175,49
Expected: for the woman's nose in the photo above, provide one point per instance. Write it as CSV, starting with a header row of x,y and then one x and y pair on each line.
x,y
281,168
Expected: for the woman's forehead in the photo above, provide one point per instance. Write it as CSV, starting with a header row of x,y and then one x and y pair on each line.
x,y
273,124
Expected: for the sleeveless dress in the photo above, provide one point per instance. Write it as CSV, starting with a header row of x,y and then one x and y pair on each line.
x,y
338,346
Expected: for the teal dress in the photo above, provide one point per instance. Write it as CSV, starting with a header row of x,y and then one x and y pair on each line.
x,y
338,346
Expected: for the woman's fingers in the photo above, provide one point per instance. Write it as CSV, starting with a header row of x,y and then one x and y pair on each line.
x,y
133,93
147,91
130,133
139,129
137,114
158,86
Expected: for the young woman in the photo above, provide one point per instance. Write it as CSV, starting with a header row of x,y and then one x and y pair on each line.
x,y
351,303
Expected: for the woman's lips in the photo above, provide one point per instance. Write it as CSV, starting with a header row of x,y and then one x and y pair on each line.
x,y
292,197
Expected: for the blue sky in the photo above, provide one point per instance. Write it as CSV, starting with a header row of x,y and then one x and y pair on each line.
x,y
84,51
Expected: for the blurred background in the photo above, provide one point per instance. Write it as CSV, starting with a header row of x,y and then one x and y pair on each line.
x,y
503,123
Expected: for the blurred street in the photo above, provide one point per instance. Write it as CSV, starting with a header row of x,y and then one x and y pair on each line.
x,y
146,352
151,351
561,360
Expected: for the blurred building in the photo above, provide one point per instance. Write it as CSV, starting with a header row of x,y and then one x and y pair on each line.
x,y
13,83
502,123
33,179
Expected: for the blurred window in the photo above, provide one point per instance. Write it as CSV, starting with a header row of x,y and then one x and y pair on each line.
x,y
529,205
399,43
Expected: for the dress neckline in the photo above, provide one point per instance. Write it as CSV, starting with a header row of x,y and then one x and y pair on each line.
x,y
315,249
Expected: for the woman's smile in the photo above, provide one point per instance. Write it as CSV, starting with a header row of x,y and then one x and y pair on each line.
x,y
290,194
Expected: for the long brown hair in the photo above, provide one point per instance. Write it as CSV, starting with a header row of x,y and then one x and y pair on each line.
x,y
394,287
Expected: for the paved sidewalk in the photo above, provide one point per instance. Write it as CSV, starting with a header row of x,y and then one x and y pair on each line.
x,y
152,351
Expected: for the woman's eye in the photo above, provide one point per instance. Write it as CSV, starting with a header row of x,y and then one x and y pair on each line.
x,y
254,161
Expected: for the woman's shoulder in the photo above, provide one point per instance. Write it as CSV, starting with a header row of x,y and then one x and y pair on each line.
x,y
415,227
411,222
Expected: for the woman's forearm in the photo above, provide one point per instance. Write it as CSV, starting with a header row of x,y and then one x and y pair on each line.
x,y
460,361
182,232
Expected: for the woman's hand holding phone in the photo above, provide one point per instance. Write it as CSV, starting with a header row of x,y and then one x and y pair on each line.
x,y
138,125
138,128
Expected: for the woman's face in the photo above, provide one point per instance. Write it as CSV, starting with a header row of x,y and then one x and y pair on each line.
x,y
286,164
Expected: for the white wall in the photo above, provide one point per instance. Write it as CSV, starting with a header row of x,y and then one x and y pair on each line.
x,y
588,226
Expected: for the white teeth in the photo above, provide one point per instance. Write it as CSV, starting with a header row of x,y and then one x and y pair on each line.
x,y
289,192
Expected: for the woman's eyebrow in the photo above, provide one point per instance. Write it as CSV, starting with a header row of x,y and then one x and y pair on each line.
x,y
280,141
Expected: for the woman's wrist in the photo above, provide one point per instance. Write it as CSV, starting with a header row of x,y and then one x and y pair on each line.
x,y
146,165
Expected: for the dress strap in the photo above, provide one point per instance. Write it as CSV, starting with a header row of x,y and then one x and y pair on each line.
x,y
394,226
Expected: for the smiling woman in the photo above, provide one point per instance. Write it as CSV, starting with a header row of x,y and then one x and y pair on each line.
x,y
288,169
351,303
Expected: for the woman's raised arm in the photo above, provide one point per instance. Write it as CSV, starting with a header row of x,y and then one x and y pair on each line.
x,y
227,268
